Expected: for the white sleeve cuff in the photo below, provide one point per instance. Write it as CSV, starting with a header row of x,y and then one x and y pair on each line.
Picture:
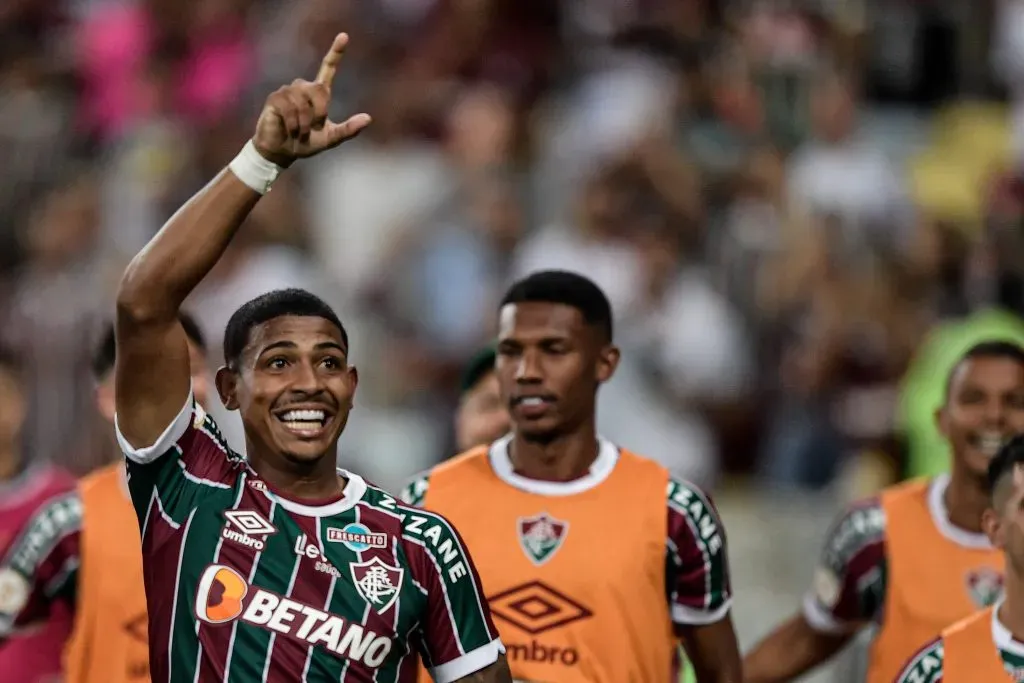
x,y
688,616
821,620
145,455
469,663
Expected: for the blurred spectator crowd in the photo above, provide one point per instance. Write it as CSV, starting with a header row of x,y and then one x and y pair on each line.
x,y
779,198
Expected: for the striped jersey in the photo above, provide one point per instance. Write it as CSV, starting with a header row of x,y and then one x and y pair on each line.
x,y
245,585
38,517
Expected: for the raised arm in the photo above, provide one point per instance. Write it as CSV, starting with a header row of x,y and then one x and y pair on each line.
x,y
152,374
848,592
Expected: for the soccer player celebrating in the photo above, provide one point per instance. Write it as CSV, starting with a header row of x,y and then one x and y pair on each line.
x,y
101,568
32,628
988,645
914,559
595,559
481,416
275,567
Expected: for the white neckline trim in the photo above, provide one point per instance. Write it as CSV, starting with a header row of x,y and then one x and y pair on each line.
x,y
940,516
1001,635
353,493
601,469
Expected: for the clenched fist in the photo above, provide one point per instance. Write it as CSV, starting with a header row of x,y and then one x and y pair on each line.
x,y
294,123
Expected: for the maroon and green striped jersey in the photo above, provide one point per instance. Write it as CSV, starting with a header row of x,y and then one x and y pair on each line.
x,y
246,585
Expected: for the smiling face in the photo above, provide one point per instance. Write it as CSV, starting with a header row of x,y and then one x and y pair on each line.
x,y
294,388
983,410
550,363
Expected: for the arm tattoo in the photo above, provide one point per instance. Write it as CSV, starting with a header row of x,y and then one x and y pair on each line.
x,y
495,673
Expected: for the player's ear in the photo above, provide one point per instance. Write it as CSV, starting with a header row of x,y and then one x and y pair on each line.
x,y
105,399
353,378
607,361
227,387
993,527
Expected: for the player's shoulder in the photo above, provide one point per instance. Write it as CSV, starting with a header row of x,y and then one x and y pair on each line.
x,y
456,471
926,664
55,518
205,424
912,489
106,477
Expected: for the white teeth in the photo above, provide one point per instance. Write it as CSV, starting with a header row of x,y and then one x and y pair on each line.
x,y
532,401
990,443
303,416
303,427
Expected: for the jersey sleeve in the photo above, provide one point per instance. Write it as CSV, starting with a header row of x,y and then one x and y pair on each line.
x,y
457,636
41,566
849,582
925,666
189,460
697,564
415,492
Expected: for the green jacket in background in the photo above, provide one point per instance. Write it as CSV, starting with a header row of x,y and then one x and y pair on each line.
x,y
924,385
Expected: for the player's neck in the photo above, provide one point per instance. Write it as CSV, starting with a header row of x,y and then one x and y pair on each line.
x,y
1011,612
565,458
966,500
318,481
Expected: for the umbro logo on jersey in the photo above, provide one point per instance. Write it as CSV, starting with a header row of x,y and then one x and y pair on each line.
x,y
377,583
244,526
356,537
541,536
223,596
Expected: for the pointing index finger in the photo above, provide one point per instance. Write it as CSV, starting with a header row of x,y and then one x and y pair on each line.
x,y
329,65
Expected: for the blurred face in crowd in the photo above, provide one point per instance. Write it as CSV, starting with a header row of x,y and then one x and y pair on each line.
x,y
12,408
550,364
1004,521
984,409
200,383
482,416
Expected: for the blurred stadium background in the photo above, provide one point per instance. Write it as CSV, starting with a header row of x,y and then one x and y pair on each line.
x,y
800,210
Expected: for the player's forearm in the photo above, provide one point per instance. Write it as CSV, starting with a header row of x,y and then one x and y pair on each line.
x,y
791,650
167,269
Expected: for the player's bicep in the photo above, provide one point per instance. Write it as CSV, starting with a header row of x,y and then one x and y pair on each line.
x,y
712,650
697,563
153,381
41,566
849,582
495,673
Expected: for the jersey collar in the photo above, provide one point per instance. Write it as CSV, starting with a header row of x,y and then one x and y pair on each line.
x,y
601,469
1001,635
940,516
354,490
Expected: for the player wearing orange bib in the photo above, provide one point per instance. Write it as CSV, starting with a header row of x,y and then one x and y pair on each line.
x,y
987,646
594,559
99,543
914,559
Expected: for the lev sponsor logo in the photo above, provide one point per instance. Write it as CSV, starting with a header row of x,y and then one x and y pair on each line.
x,y
304,548
223,595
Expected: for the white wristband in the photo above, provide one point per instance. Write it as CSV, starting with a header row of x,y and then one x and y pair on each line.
x,y
254,170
